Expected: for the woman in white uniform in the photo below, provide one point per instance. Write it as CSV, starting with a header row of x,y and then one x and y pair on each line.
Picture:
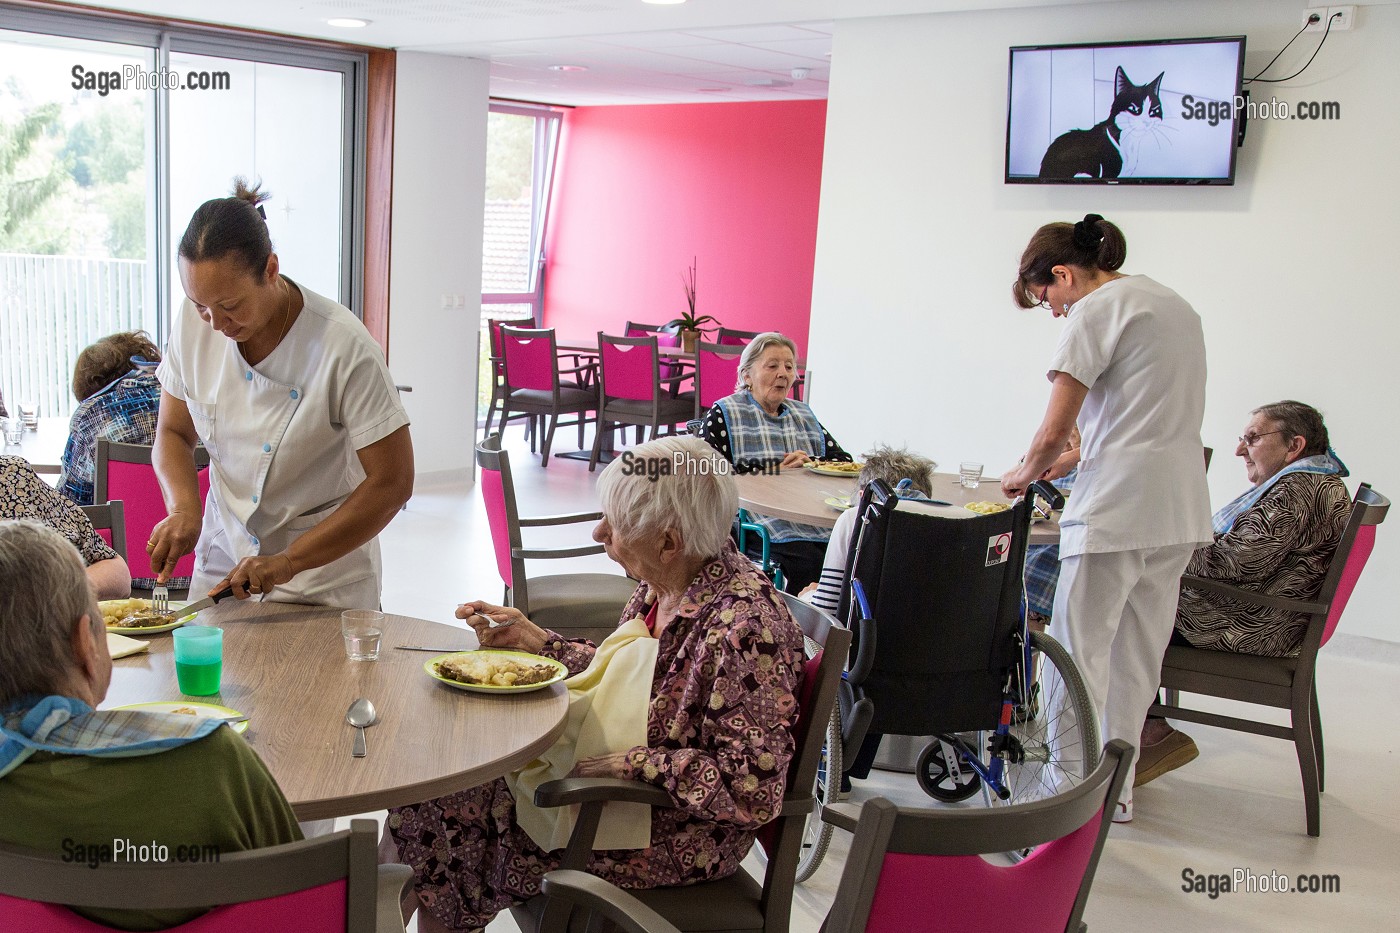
x,y
309,449
1131,369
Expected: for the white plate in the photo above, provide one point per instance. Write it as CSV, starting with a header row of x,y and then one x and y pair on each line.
x,y
827,471
175,605
840,503
203,710
560,671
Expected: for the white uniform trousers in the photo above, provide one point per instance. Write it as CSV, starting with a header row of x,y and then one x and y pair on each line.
x,y
1116,611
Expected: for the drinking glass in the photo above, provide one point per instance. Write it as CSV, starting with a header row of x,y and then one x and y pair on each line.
x,y
14,431
29,415
970,474
361,629
199,659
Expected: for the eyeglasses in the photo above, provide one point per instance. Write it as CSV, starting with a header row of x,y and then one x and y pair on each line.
x,y
1042,303
1249,440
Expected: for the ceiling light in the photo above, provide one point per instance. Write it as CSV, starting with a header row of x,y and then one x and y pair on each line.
x,y
568,67
347,23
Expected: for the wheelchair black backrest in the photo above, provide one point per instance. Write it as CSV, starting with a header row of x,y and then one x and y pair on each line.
x,y
943,585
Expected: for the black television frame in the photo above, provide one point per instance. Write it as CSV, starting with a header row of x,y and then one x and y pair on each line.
x,y
1237,117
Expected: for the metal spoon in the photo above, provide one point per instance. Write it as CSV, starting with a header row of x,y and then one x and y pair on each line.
x,y
360,714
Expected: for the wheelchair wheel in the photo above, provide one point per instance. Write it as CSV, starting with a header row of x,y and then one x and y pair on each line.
x,y
942,776
1055,729
816,835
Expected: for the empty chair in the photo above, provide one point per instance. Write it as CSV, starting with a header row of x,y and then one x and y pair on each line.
x,y
673,371
125,472
716,373
498,378
631,390
1282,683
534,383
109,521
728,336
577,605
330,884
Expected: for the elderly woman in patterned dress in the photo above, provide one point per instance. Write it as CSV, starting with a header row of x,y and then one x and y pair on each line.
x,y
723,701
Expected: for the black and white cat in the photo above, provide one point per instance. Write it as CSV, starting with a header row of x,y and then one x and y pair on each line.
x,y
1101,150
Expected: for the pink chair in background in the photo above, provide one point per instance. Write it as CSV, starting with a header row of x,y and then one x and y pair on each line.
x,y
631,390
716,372
124,471
673,372
330,884
534,383
109,521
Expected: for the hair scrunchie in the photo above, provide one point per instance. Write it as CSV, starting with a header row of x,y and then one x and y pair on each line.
x,y
263,214
1086,232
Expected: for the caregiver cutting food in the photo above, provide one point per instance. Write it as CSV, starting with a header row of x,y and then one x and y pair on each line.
x,y
309,448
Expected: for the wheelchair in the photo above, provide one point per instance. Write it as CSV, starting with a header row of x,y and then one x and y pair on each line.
x,y
935,602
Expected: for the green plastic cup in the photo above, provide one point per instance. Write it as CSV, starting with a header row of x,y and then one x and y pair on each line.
x,y
199,659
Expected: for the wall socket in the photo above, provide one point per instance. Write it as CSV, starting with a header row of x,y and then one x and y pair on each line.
x,y
1342,17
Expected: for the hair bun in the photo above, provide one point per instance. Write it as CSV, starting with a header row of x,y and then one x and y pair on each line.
x,y
1087,234
254,195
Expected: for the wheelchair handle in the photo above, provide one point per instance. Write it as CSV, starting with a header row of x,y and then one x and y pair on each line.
x,y
1046,491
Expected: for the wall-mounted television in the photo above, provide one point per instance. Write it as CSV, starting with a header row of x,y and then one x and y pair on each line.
x,y
1149,113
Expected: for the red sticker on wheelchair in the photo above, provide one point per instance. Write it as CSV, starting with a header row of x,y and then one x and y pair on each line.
x,y
998,549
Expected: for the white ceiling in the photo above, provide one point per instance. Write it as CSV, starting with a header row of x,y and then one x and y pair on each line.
x,y
635,53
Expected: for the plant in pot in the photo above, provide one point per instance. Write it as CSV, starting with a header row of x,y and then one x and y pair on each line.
x,y
690,325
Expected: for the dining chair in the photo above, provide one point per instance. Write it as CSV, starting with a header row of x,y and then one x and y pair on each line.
x,y
728,336
125,472
576,605
329,883
535,383
109,521
923,871
498,381
631,390
673,371
716,373
1281,683
739,903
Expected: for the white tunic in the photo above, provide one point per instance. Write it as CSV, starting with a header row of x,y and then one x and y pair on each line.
x,y
1139,348
282,438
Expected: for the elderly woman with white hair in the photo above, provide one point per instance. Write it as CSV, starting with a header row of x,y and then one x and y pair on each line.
x,y
760,429
713,718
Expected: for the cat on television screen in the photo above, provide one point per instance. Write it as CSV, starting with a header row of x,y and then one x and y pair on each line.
x,y
1102,150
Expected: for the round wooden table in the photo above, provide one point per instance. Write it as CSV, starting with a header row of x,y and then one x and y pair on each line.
x,y
285,668
799,496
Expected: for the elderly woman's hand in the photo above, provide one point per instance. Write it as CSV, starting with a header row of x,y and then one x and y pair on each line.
x,y
511,629
601,766
794,459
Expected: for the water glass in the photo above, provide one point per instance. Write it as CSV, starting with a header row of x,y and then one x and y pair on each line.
x,y
361,629
29,415
970,474
199,659
14,430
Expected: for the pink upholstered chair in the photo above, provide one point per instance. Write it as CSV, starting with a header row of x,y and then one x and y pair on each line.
x,y
631,390
535,383
673,372
330,884
1282,683
498,381
730,337
109,521
124,471
577,605
716,372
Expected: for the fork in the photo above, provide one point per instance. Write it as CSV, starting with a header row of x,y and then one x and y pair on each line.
x,y
160,599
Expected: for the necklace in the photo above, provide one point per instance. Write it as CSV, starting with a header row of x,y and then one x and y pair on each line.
x,y
286,315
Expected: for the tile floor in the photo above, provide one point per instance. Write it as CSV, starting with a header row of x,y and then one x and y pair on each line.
x,y
1238,806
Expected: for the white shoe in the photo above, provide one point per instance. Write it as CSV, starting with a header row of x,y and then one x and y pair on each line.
x,y
1123,812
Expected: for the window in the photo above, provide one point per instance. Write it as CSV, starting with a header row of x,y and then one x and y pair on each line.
x,y
112,131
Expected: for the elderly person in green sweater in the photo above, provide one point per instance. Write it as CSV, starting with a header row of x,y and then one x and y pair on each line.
x,y
74,781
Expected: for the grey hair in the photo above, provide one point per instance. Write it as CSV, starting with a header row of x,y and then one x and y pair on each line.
x,y
43,591
755,350
680,483
1296,419
891,465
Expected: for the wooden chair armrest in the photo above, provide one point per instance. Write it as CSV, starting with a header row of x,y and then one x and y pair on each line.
x,y
555,553
567,791
840,818
388,914
622,909
1190,581
540,521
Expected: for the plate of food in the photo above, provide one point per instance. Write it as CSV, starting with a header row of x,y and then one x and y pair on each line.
x,y
136,617
986,508
489,670
192,708
833,467
839,503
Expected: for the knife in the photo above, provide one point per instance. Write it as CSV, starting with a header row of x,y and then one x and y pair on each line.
x,y
206,602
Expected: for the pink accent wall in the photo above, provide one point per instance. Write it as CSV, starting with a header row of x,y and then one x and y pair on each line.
x,y
643,189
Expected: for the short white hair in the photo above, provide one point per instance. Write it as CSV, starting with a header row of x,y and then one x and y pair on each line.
x,y
755,349
680,483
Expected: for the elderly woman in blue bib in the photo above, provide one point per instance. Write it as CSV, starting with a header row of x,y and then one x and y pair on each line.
x,y
760,428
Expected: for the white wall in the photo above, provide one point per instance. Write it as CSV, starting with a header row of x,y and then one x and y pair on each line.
x,y
1294,270
439,191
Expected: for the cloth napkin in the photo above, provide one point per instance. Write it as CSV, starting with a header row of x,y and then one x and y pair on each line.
x,y
119,646
608,706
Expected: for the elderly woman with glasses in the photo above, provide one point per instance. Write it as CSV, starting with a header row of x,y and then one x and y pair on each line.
x,y
707,662
759,428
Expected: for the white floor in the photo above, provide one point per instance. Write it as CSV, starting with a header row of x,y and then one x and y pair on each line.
x,y
1238,806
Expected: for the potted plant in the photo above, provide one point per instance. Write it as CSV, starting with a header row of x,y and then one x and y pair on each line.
x,y
690,325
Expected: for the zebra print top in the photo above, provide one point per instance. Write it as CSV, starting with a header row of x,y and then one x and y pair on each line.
x,y
1282,546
